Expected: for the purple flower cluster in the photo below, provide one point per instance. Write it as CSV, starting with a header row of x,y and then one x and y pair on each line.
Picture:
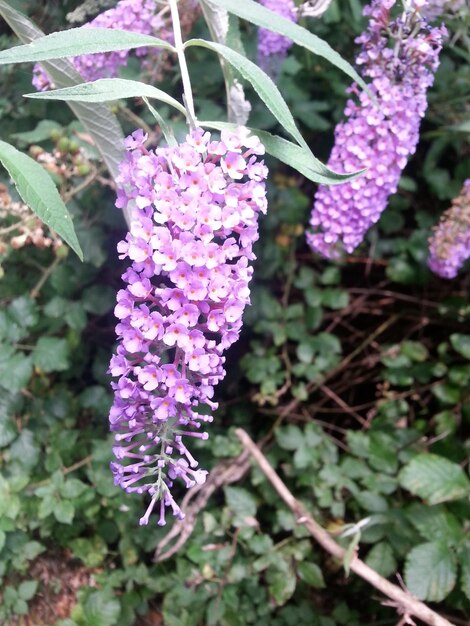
x,y
195,209
139,16
400,57
449,246
272,47
433,9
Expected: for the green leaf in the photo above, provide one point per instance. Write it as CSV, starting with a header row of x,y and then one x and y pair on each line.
x,y
461,344
101,610
91,551
25,450
39,192
51,354
106,90
98,119
8,428
41,132
436,522
311,574
381,559
434,479
447,394
261,16
27,589
464,558
15,372
290,437
24,311
240,501
430,571
72,488
261,82
64,511
293,155
415,351
282,582
78,41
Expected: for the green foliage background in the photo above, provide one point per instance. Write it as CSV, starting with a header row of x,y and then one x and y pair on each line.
x,y
357,375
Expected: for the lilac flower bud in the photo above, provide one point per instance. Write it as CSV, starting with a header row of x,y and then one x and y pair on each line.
x,y
272,47
194,221
400,57
449,246
139,16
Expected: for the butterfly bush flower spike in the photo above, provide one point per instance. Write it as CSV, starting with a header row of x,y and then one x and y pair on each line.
x,y
139,16
449,246
194,211
399,57
272,47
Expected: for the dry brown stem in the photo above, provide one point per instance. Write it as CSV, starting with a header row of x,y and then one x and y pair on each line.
x,y
196,499
405,603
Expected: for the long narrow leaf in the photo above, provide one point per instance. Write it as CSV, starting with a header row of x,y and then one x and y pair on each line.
x,y
39,192
98,119
262,83
261,16
296,157
78,41
106,90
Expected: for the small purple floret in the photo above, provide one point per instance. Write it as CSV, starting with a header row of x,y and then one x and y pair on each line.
x,y
138,16
449,246
400,58
194,212
272,47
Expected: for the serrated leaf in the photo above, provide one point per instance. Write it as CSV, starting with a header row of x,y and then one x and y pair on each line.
x,y
261,82
101,610
91,551
311,574
78,41
293,155
24,311
282,582
27,589
240,501
431,571
261,16
25,450
436,522
435,479
464,559
39,192
64,511
106,90
15,372
72,488
290,437
8,428
381,559
51,354
461,344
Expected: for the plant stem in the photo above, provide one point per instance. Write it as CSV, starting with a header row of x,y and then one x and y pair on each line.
x,y
188,94
402,600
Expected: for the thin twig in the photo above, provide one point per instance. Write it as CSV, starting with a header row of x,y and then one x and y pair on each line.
x,y
35,291
65,471
404,601
188,94
196,499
